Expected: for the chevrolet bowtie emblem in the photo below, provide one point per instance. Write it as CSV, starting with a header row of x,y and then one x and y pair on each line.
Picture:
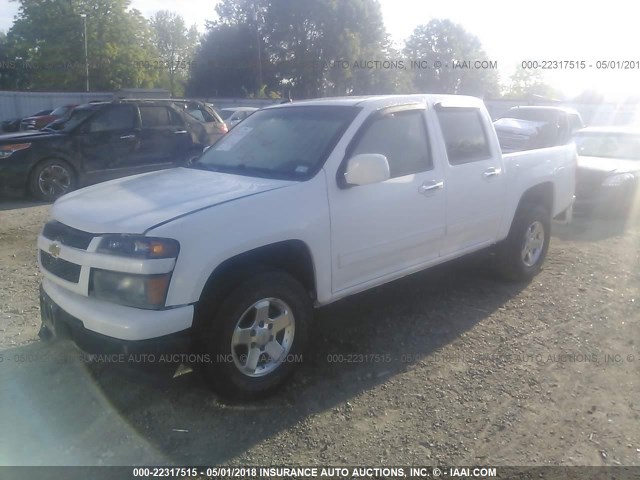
x,y
54,249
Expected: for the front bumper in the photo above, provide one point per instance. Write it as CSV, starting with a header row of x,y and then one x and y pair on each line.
x,y
57,322
117,321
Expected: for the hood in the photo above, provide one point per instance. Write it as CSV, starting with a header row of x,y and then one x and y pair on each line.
x,y
608,165
135,204
27,136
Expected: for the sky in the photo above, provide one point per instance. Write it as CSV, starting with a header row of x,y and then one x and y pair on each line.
x,y
510,32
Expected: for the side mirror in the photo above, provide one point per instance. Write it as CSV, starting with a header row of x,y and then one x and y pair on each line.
x,y
367,168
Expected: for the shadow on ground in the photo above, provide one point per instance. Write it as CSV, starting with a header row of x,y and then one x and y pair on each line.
x,y
590,228
8,203
62,411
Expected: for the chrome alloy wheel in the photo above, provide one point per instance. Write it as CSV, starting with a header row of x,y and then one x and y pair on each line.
x,y
263,337
54,180
533,244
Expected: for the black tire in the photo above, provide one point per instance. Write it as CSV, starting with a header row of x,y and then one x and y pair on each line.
x,y
513,264
50,179
221,369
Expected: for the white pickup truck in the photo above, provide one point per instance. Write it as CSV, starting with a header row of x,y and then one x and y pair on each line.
x,y
299,206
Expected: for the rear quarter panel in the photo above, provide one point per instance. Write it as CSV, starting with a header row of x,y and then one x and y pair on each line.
x,y
525,170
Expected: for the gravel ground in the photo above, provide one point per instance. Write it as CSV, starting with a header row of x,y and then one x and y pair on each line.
x,y
449,367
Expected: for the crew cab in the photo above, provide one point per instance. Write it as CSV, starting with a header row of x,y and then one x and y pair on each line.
x,y
105,140
299,206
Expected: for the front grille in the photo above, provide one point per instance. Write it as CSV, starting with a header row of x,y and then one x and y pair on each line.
x,y
68,236
60,268
588,183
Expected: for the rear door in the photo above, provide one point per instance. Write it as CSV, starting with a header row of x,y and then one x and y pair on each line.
x,y
381,229
164,137
474,176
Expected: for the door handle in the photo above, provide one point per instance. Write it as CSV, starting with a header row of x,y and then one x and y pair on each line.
x,y
491,172
431,187
180,132
127,137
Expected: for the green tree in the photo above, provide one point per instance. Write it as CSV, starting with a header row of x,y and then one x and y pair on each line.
x,y
224,64
48,36
526,83
444,43
15,71
303,47
7,64
176,45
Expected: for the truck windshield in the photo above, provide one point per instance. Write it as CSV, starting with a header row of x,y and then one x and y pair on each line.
x,y
608,145
289,142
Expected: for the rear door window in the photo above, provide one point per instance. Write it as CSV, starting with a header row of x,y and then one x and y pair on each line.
x,y
464,135
115,117
155,116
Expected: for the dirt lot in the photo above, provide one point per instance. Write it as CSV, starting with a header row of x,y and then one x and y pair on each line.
x,y
469,370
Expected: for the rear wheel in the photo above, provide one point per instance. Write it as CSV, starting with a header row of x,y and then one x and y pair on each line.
x,y
258,336
50,179
522,254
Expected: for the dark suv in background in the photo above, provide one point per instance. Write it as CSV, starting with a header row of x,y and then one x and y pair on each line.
x,y
106,140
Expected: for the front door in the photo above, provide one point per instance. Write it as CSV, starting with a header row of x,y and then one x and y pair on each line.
x,y
384,228
108,141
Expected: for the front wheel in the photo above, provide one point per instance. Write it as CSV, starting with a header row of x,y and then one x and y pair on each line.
x,y
258,336
50,179
523,252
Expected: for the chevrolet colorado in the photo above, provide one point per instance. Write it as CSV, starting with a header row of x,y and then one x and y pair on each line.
x,y
299,206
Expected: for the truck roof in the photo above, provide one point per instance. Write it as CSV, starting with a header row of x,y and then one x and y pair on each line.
x,y
380,101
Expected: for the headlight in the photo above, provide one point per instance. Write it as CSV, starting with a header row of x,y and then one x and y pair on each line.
x,y
8,150
139,291
138,246
618,180
133,290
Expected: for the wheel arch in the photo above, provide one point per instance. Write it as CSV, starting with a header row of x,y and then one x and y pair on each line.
x,y
52,156
290,256
540,194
